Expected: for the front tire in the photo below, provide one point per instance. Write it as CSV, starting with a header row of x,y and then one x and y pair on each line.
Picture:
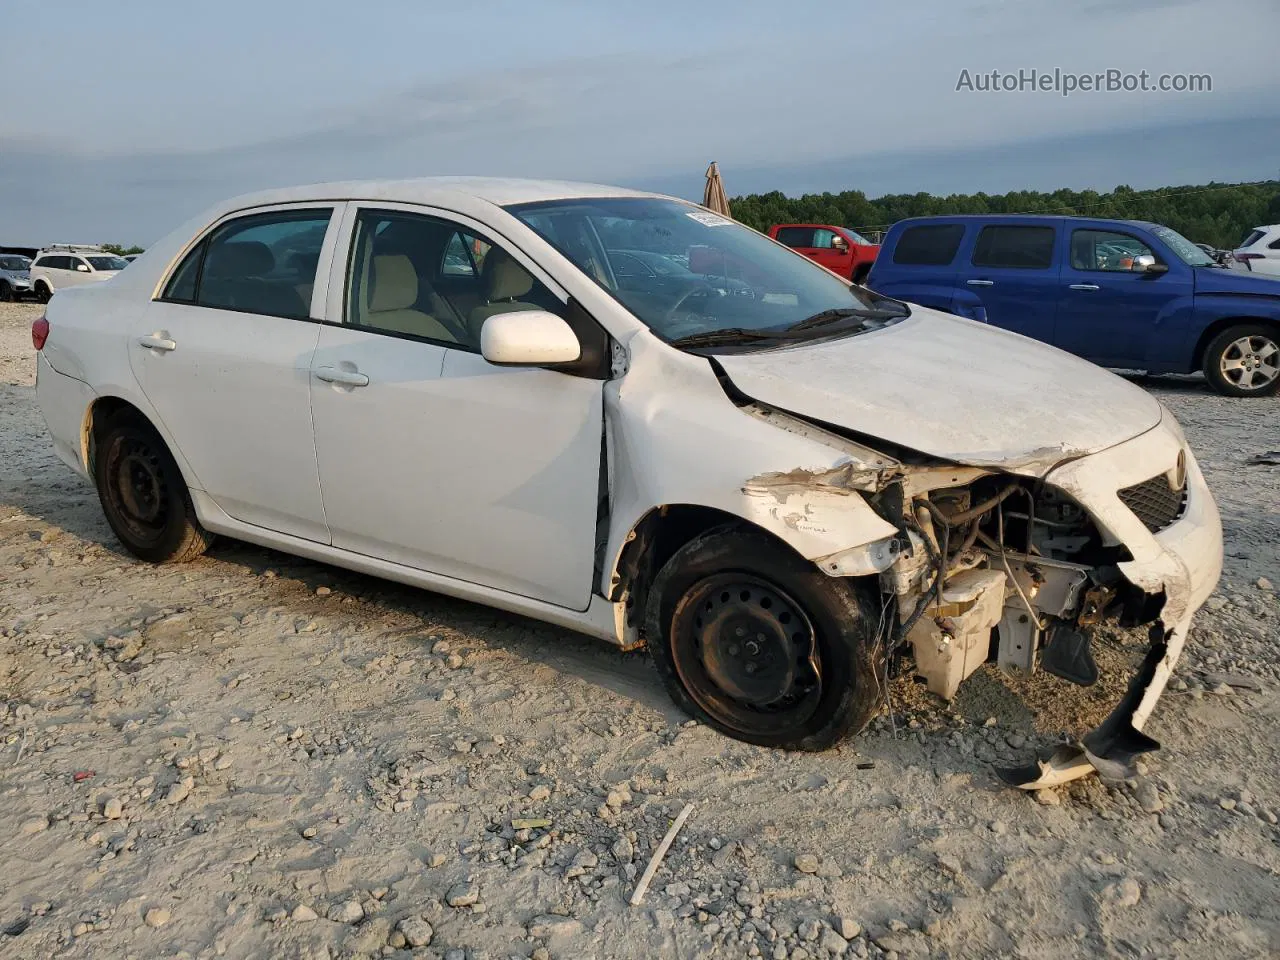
x,y
6,293
42,292
144,496
755,641
1244,360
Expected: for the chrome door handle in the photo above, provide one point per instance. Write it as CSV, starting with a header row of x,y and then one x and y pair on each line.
x,y
981,283
348,378
157,342
1084,286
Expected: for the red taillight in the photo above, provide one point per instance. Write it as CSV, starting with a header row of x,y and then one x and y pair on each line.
x,y
39,332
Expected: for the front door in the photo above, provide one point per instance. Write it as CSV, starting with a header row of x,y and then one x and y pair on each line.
x,y
1012,273
1108,310
224,357
430,456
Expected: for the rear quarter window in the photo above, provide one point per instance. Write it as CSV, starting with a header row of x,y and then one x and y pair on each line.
x,y
796,236
931,245
1027,248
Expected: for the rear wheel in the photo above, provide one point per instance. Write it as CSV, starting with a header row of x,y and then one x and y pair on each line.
x,y
144,496
1244,360
42,292
752,639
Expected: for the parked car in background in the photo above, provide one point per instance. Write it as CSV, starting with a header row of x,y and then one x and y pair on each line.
x,y
1121,293
130,257
839,249
69,266
1221,257
776,492
15,277
1260,252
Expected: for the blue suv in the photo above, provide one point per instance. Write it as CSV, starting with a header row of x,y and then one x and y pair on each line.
x,y
1121,293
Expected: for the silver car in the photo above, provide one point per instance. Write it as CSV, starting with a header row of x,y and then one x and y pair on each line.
x,y
15,277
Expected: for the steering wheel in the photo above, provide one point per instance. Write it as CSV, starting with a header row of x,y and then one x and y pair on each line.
x,y
700,288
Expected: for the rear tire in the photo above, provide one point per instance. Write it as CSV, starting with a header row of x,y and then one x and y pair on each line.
x,y
42,292
755,641
143,494
1244,361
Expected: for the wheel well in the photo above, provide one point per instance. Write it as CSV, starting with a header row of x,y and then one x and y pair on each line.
x,y
655,540
1218,326
101,412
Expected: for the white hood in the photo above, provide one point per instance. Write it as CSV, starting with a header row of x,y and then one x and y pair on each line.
x,y
954,389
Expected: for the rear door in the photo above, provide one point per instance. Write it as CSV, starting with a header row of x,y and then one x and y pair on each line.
x,y
430,456
918,263
1108,311
1011,272
224,356
820,244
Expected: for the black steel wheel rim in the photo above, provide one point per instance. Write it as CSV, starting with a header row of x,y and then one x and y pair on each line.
x,y
747,653
136,489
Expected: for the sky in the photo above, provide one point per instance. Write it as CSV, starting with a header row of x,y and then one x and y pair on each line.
x,y
133,116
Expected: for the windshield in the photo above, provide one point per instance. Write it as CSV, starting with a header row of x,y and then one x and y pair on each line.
x,y
14,263
108,263
685,271
1187,251
858,238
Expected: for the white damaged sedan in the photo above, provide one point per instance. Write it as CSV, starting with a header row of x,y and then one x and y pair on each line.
x,y
781,484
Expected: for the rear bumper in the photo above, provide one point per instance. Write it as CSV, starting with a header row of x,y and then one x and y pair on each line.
x,y
1182,562
63,401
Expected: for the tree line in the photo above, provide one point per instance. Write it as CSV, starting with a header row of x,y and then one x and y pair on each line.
x,y
1218,214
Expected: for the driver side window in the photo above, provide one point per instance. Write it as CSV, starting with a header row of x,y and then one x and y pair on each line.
x,y
1106,251
429,279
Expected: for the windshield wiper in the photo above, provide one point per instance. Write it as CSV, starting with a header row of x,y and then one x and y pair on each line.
x,y
713,338
844,313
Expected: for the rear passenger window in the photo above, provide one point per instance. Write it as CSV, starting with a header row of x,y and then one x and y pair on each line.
x,y
934,245
265,263
1028,248
795,236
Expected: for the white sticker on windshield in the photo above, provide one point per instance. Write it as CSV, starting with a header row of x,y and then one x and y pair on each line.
x,y
707,218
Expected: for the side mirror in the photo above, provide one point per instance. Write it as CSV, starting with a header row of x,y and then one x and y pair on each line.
x,y
840,244
528,338
1146,263
82,267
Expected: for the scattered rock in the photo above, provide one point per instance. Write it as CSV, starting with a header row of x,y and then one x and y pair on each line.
x,y
1264,584
113,808
303,914
1148,797
807,863
417,932
1239,680
179,791
848,927
1048,798
1126,893
463,894
156,917
549,926
539,793
34,825
833,943
349,911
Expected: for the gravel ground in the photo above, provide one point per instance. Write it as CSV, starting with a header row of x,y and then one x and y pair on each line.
x,y
253,755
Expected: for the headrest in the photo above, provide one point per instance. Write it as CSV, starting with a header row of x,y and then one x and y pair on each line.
x,y
505,279
244,258
395,283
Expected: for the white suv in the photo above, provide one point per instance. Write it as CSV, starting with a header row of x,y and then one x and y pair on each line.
x,y
1260,252
56,268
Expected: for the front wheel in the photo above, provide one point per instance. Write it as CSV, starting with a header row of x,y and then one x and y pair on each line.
x,y
144,496
6,293
755,641
43,293
1244,361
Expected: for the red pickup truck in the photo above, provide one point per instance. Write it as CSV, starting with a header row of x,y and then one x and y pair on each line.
x,y
839,249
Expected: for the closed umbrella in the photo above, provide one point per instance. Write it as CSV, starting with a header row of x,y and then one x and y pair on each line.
x,y
714,197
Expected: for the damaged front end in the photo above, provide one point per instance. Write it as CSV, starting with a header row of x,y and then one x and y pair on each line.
x,y
1020,566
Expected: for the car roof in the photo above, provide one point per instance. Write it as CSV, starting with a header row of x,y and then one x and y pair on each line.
x,y
1014,217
501,191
